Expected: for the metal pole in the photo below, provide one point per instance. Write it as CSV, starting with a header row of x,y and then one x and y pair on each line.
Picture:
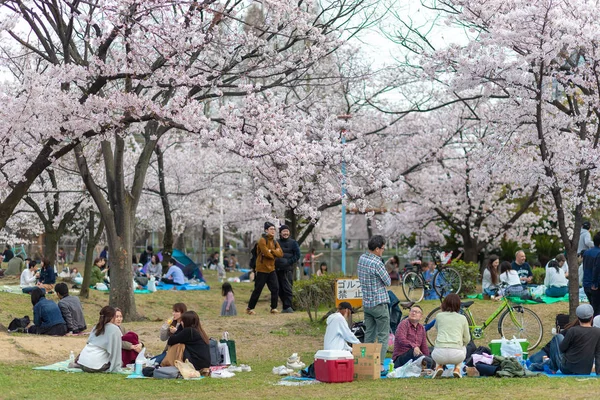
x,y
343,134
221,237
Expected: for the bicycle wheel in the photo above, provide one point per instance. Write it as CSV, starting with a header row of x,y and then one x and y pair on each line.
x,y
447,281
413,286
522,324
431,333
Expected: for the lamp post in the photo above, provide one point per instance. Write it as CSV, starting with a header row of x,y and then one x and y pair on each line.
x,y
344,118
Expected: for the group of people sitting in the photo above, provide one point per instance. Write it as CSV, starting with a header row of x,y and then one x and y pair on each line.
x,y
516,277
410,342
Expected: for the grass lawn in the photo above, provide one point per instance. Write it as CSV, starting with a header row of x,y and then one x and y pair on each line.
x,y
263,341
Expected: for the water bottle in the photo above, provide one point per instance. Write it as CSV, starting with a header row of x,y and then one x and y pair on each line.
x,y
72,357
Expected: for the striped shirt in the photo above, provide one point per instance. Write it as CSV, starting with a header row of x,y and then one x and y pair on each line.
x,y
373,279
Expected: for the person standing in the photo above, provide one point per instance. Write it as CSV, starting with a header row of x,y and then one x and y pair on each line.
x,y
591,274
373,279
267,250
284,267
146,255
585,238
522,267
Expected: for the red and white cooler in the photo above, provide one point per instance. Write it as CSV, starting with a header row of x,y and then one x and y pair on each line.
x,y
334,366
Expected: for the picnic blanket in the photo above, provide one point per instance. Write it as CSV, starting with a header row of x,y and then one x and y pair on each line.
x,y
64,366
186,286
545,299
15,289
135,376
561,375
137,291
296,381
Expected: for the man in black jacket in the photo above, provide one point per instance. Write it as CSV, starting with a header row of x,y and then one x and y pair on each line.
x,y
284,267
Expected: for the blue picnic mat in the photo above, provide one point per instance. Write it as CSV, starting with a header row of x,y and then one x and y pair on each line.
x,y
561,375
64,366
135,376
186,286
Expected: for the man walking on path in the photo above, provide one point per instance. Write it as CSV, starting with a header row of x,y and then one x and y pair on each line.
x,y
267,250
284,267
373,281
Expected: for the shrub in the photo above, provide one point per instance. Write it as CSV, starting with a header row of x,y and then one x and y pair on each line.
x,y
316,292
539,274
469,274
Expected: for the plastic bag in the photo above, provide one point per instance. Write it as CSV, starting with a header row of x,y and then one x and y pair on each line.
x,y
411,369
510,348
186,369
101,286
538,291
152,284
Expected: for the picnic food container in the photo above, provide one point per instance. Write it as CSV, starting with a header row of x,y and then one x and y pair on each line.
x,y
334,366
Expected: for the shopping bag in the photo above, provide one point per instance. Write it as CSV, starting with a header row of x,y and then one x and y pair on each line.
x,y
510,348
224,353
231,346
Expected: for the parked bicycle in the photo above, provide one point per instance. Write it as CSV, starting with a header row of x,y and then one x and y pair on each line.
x,y
515,320
446,280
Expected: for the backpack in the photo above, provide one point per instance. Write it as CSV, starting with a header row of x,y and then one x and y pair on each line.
x,y
215,355
166,373
253,255
19,324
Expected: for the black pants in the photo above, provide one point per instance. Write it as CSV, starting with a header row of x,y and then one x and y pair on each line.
x,y
169,281
594,299
284,278
55,330
260,280
410,356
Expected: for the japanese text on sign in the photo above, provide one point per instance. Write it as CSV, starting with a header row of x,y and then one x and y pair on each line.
x,y
349,290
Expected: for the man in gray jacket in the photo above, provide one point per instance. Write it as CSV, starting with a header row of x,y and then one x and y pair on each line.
x,y
585,238
71,309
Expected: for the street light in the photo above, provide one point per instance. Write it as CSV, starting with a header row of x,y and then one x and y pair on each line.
x,y
344,118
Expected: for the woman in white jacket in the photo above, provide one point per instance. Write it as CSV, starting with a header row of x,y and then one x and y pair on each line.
x,y
556,282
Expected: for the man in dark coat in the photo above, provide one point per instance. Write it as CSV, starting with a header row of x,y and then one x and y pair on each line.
x,y
284,267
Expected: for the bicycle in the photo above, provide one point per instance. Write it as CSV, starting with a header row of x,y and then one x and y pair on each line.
x,y
515,320
445,280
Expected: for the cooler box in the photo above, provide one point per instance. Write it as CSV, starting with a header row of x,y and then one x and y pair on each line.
x,y
495,347
334,366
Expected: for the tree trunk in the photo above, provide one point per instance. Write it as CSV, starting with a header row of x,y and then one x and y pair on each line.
x,y
77,249
291,220
471,250
369,228
164,197
92,241
51,238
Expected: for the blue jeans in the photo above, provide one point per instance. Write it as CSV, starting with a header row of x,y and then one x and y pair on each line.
x,y
555,354
557,291
537,360
490,292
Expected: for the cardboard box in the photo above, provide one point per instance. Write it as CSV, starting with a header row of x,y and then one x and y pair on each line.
x,y
367,362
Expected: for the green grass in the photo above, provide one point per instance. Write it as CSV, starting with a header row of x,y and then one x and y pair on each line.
x,y
263,341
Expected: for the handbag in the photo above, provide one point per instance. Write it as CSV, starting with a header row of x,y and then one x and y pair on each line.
x,y
231,346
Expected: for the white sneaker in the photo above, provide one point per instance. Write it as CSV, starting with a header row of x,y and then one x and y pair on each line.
x,y
296,365
293,358
222,373
233,368
245,368
282,370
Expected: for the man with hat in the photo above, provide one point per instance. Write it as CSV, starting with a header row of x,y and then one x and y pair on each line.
x,y
284,267
576,351
267,250
338,334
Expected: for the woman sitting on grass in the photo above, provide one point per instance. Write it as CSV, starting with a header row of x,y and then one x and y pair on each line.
x,y
102,353
170,327
47,318
555,281
452,338
130,341
490,280
510,277
191,343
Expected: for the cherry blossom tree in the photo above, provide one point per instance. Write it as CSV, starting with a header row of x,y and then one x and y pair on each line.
x,y
536,63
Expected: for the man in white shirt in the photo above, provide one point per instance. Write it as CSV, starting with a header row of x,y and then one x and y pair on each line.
x,y
29,275
338,334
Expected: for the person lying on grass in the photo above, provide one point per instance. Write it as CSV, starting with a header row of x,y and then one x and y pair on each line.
x,y
102,353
